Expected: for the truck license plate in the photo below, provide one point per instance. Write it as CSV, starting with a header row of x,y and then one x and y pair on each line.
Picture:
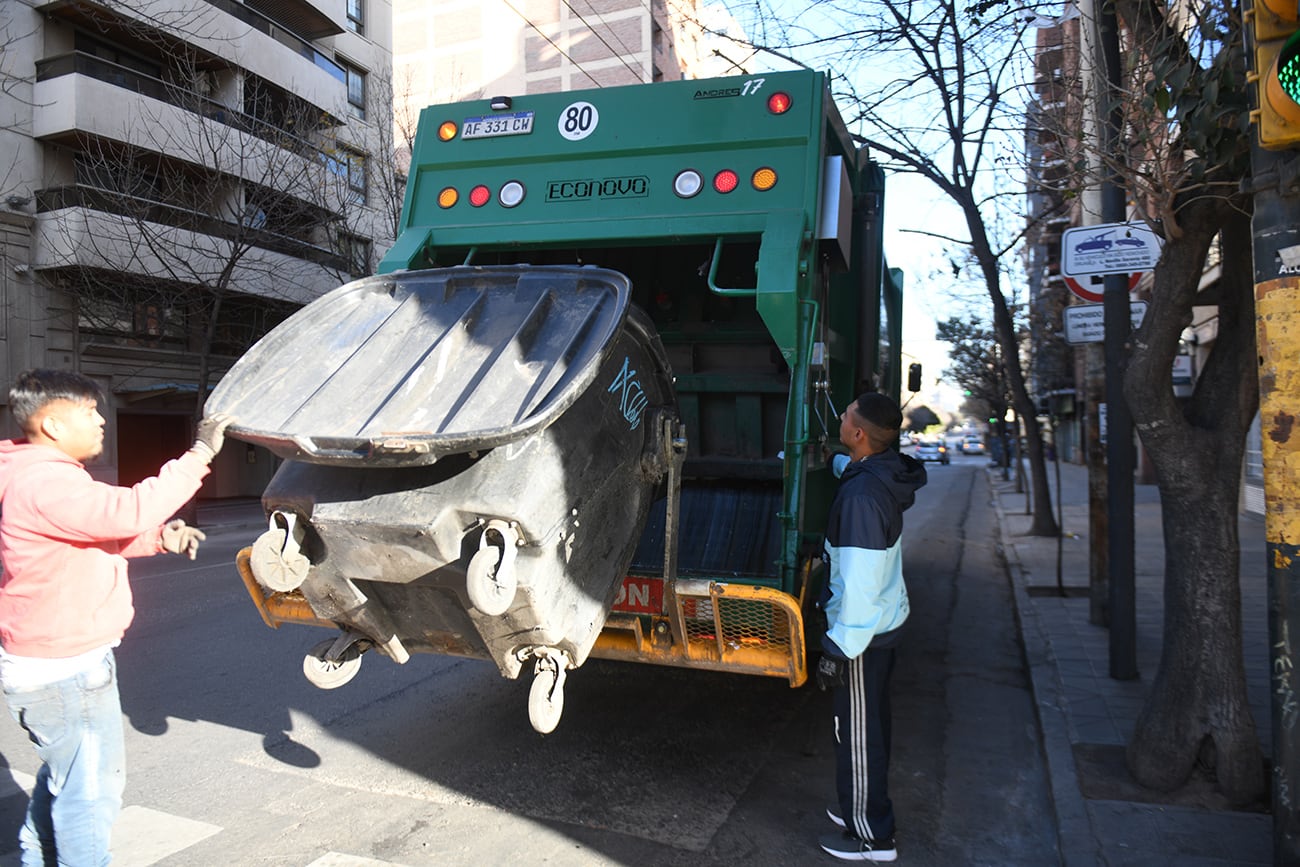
x,y
518,123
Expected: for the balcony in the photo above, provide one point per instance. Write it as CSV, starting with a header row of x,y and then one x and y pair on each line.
x,y
286,37
82,196
215,29
79,63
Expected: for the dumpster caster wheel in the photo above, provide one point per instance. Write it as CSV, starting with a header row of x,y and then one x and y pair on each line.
x,y
546,696
491,580
277,560
327,673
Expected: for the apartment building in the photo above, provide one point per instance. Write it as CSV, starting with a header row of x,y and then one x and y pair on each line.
x,y
449,50
1055,373
176,177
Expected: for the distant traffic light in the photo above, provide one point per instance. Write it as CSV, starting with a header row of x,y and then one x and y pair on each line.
x,y
1274,26
914,377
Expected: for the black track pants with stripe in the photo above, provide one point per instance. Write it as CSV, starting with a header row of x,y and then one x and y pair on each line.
x,y
862,745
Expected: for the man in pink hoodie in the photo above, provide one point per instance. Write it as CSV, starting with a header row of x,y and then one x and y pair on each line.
x,y
65,601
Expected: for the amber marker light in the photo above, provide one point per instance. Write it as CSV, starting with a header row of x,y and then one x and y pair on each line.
x,y
480,196
764,179
725,181
448,130
779,103
448,197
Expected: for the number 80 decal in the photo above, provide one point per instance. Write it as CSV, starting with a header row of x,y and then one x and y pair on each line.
x,y
578,121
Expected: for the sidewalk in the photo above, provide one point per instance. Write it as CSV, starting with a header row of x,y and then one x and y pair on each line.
x,y
1103,817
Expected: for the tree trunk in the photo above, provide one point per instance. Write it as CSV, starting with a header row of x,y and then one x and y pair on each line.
x,y
205,354
1197,708
1044,521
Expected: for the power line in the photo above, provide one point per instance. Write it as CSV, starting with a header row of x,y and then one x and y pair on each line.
x,y
596,33
591,77
592,9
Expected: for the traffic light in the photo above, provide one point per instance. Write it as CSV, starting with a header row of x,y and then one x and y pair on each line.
x,y
1274,26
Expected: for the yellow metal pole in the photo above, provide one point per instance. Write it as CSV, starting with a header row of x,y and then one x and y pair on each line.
x,y
1277,310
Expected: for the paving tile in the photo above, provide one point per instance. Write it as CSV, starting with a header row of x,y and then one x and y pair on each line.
x,y
1103,711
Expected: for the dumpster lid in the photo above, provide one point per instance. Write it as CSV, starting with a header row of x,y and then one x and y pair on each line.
x,y
402,368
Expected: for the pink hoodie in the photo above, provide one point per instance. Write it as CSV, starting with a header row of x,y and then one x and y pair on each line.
x,y
64,538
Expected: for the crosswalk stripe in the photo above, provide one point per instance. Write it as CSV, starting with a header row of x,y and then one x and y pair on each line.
x,y
335,859
143,837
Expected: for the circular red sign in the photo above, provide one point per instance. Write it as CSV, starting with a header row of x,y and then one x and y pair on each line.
x,y
1095,296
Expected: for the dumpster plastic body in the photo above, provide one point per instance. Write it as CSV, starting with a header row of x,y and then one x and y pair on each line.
x,y
426,417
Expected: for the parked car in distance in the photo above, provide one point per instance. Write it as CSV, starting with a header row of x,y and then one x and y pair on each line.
x,y
972,445
931,449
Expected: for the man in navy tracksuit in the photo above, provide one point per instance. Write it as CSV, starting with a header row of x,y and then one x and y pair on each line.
x,y
865,607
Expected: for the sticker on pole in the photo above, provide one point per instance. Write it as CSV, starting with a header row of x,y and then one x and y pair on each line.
x,y
1109,248
1086,323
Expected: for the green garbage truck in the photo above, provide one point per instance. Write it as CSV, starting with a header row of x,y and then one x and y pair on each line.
x,y
580,409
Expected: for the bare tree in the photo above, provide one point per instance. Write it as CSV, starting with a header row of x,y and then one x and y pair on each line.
x,y
1184,159
241,198
1188,64
974,364
948,100
394,145
941,93
15,82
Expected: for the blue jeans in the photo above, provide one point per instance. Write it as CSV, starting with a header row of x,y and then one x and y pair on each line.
x,y
76,726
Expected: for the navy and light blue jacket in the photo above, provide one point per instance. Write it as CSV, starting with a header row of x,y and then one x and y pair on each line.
x,y
868,599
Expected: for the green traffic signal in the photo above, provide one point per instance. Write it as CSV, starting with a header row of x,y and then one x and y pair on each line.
x,y
1288,67
1276,73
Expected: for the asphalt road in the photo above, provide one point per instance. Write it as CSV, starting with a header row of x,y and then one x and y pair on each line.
x,y
234,759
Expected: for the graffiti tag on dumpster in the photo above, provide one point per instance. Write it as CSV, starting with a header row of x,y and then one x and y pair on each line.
x,y
632,397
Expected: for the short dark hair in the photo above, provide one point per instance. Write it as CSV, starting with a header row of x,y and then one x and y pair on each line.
x,y
879,410
36,388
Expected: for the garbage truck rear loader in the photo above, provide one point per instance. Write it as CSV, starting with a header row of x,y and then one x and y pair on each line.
x,y
579,411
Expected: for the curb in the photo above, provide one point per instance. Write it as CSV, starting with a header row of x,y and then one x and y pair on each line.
x,y
1077,843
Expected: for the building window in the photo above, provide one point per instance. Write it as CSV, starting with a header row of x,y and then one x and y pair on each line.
x,y
357,16
356,250
354,165
356,90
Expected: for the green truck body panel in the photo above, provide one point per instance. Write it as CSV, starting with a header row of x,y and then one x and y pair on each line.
x,y
770,328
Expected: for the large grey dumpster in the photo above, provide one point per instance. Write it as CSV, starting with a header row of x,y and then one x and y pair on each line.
x,y
470,455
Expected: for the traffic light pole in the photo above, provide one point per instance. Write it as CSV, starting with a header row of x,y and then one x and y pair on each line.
x,y
1275,242
1276,235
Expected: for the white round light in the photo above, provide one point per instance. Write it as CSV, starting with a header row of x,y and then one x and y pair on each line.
x,y
512,193
688,183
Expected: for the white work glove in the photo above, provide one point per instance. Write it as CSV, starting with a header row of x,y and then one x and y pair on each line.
x,y
210,434
179,538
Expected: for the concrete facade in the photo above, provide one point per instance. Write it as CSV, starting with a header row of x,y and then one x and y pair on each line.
x,y
176,177
450,50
